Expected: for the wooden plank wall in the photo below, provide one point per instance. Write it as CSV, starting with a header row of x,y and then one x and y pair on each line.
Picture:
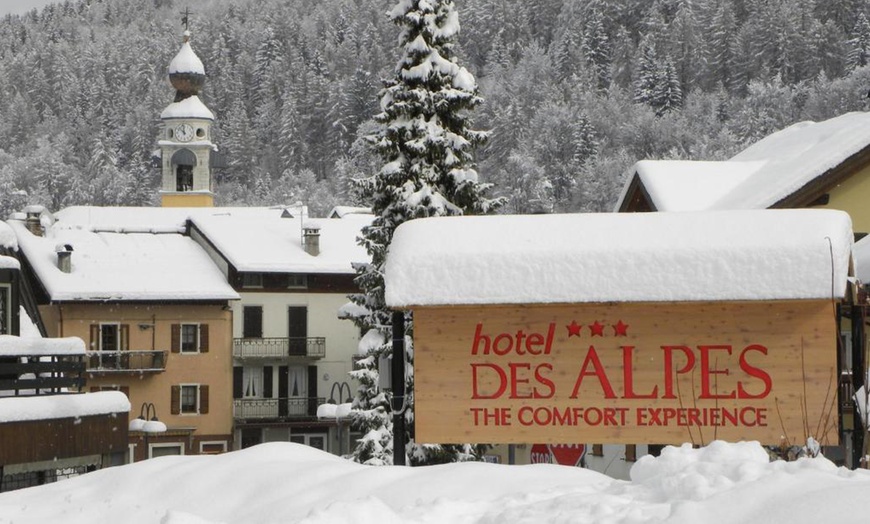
x,y
31,441
602,373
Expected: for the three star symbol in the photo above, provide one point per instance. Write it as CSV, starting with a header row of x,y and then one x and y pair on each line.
x,y
596,329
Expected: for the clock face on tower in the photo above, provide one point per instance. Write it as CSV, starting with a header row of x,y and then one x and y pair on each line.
x,y
184,133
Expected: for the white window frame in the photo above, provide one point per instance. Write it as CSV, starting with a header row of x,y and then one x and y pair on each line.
x,y
117,326
181,399
153,446
204,443
131,453
197,339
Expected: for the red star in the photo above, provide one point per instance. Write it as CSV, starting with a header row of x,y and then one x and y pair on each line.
x,y
620,329
573,329
597,329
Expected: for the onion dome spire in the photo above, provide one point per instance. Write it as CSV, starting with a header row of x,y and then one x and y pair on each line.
x,y
186,72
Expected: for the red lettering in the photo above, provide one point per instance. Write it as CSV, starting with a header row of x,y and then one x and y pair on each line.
x,y
628,375
519,339
669,367
502,378
520,342
592,359
496,347
544,381
532,342
478,338
515,380
706,371
755,372
550,334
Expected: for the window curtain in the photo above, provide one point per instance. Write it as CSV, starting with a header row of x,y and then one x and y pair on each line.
x,y
252,380
297,382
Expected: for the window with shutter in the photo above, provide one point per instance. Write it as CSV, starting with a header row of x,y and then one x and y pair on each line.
x,y
252,322
189,399
190,338
203,399
175,403
267,381
203,338
176,338
237,381
125,338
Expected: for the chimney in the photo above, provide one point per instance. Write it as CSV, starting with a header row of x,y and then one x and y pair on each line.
x,y
64,257
33,219
311,239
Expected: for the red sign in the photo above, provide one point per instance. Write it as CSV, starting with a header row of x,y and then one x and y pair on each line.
x,y
564,454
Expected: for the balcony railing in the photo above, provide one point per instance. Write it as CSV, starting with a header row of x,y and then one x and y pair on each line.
x,y
47,374
126,361
276,408
311,347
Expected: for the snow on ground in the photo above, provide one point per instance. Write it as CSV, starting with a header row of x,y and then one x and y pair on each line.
x,y
291,483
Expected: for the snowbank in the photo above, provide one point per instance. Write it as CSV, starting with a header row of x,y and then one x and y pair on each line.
x,y
281,482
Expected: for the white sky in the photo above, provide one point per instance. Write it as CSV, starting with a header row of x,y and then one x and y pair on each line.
x,y
17,7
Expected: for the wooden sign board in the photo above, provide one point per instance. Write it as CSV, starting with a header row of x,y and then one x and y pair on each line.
x,y
663,373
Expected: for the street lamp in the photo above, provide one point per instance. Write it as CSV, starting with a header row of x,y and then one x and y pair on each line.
x,y
336,409
147,423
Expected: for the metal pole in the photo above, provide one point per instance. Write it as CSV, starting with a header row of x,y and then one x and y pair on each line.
x,y
858,372
398,378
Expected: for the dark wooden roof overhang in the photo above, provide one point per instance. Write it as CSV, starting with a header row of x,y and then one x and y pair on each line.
x,y
814,191
637,198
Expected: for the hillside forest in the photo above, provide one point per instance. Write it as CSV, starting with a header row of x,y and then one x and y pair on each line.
x,y
575,91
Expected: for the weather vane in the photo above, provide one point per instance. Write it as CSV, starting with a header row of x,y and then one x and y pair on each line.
x,y
185,19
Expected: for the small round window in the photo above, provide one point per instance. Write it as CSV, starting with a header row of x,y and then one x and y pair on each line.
x,y
200,132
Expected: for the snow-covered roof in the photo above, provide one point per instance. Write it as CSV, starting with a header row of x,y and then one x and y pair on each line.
x,y
762,174
190,107
266,242
675,185
616,257
9,263
186,61
343,211
122,264
16,409
7,237
19,346
110,243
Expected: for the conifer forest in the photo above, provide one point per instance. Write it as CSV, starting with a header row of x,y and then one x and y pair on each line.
x,y
574,92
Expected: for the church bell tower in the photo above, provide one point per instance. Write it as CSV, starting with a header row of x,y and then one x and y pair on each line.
x,y
186,149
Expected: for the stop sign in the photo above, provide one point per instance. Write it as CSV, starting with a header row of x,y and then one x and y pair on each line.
x,y
568,454
540,454
564,454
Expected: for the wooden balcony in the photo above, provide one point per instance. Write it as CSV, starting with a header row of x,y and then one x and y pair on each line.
x,y
280,347
126,361
294,408
42,375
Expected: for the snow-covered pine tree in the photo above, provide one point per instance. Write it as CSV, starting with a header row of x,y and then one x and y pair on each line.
x,y
425,141
859,44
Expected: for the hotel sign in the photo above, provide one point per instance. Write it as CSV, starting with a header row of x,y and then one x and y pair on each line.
x,y
662,373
